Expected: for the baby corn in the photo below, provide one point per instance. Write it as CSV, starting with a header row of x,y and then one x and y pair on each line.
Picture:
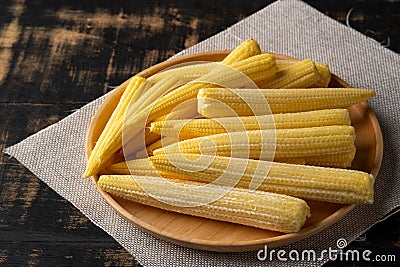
x,y
135,167
322,68
143,98
256,68
185,73
339,160
309,182
110,139
165,141
267,144
138,111
301,74
258,209
246,49
186,129
213,102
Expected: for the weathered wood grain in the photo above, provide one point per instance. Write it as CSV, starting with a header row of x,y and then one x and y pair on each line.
x,y
38,227
55,56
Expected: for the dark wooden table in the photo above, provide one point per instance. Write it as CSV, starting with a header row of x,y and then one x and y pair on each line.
x,y
56,56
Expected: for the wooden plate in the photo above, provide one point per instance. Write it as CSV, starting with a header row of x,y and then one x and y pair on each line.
x,y
206,234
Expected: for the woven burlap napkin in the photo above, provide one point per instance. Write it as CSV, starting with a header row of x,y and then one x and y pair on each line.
x,y
56,154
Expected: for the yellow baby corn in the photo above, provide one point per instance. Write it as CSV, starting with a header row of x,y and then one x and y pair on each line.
x,y
256,68
260,144
258,209
339,160
186,129
184,111
185,73
152,94
309,182
110,140
138,111
135,167
181,76
301,74
246,49
165,141
139,168
322,68
213,102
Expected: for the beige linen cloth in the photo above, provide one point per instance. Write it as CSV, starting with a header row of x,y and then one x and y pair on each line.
x,y
57,154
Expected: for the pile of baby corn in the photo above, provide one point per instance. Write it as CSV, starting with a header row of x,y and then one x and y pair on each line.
x,y
310,125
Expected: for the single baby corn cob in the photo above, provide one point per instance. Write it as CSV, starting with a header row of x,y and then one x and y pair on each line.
x,y
267,144
256,68
322,68
213,102
301,74
185,73
135,167
258,209
246,49
186,129
110,139
309,182
339,160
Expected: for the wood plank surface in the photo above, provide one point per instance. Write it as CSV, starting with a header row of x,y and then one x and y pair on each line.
x,y
56,56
